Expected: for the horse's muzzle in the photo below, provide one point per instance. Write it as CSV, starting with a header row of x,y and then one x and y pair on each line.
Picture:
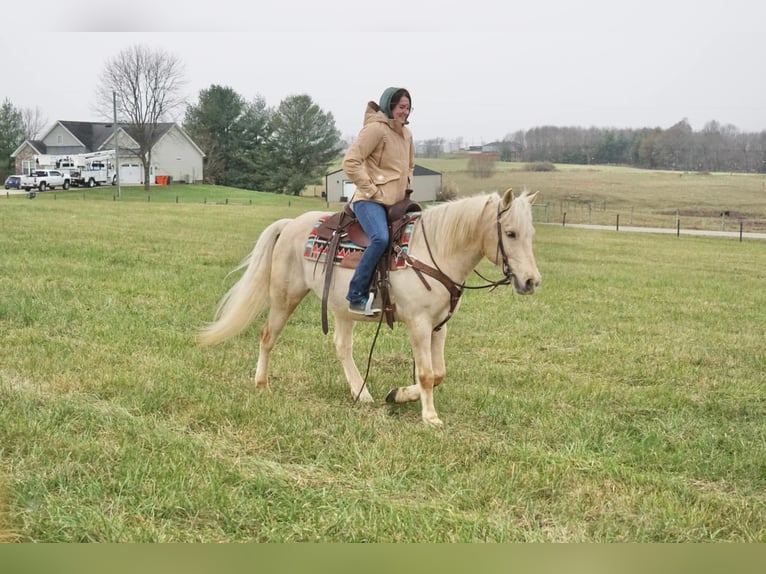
x,y
526,287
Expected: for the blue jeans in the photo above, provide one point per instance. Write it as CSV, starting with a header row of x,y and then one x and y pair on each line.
x,y
374,220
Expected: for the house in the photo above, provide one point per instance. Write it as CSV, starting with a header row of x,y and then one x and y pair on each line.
x,y
426,185
174,153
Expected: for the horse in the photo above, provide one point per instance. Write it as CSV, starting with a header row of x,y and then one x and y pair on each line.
x,y
447,241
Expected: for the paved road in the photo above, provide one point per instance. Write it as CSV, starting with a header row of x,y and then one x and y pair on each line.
x,y
666,230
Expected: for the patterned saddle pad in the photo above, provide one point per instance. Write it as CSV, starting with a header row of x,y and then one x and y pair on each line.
x,y
349,253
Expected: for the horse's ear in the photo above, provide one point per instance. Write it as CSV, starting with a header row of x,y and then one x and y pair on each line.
x,y
507,197
531,198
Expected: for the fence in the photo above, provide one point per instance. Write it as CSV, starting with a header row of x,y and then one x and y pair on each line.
x,y
669,218
188,197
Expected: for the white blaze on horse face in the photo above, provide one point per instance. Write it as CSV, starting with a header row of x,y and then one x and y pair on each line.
x,y
517,236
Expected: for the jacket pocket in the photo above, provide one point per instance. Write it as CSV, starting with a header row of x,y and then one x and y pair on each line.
x,y
382,179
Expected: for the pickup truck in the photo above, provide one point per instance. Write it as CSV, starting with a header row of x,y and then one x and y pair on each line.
x,y
43,179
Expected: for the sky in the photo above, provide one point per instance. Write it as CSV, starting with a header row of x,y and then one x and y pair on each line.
x,y
478,70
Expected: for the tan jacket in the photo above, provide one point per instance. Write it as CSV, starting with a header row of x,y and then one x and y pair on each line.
x,y
381,160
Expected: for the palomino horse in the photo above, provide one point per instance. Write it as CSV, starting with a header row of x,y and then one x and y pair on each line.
x,y
449,239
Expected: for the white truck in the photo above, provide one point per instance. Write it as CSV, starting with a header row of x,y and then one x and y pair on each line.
x,y
98,170
82,170
42,179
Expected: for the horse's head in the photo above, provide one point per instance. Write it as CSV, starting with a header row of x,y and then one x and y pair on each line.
x,y
511,245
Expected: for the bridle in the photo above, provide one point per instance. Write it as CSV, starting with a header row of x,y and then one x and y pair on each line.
x,y
507,271
454,288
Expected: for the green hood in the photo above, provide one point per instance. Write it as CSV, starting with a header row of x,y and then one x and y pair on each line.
x,y
385,102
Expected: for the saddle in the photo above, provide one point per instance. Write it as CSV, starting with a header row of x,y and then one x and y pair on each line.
x,y
344,225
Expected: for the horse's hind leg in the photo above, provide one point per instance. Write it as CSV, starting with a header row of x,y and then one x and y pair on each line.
x,y
344,345
279,312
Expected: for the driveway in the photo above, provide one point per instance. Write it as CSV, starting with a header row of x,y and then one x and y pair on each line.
x,y
666,230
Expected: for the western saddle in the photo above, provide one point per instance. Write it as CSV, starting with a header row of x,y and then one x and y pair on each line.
x,y
344,225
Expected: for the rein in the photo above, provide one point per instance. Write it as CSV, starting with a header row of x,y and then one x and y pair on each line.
x,y
456,289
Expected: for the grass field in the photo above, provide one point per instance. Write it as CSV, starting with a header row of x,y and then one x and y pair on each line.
x,y
597,194
624,401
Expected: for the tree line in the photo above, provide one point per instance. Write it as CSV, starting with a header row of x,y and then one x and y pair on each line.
x,y
714,148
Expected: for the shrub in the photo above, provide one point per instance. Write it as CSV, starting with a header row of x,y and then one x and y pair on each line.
x,y
540,166
448,191
481,165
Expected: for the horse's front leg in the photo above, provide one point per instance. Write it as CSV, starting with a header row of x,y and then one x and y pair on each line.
x,y
429,367
412,392
344,345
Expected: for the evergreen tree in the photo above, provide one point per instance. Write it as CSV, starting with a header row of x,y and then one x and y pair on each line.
x,y
11,133
304,142
249,162
215,124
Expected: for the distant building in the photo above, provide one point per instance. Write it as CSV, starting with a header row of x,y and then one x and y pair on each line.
x,y
425,186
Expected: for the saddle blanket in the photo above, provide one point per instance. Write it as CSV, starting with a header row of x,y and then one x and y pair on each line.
x,y
349,253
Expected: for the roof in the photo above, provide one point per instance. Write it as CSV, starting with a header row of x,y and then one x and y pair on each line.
x,y
90,134
93,135
420,170
37,145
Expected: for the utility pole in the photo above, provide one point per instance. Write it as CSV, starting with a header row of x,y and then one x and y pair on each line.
x,y
116,147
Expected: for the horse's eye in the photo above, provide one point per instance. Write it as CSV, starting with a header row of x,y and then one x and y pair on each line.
x,y
511,234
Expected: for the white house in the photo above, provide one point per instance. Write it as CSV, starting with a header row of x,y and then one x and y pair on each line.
x,y
174,153
426,185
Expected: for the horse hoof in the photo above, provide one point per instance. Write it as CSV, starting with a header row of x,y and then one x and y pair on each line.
x,y
435,421
391,396
365,398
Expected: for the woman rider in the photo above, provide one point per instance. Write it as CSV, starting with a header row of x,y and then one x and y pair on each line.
x,y
380,162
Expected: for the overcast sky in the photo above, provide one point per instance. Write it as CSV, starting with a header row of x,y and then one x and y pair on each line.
x,y
477,69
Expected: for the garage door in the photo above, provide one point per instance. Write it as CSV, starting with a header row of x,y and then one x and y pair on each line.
x,y
131,173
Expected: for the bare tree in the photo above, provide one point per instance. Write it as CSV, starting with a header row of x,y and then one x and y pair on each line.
x,y
147,85
432,147
32,122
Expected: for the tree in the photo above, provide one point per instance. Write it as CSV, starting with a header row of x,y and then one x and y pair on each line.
x,y
32,122
251,160
612,148
432,147
147,85
304,143
674,146
215,124
11,133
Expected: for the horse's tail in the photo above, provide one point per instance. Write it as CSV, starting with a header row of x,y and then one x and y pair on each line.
x,y
248,296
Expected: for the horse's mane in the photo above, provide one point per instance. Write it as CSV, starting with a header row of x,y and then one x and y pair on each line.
x,y
456,222
453,224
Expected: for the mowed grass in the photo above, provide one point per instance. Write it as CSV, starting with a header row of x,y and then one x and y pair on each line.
x,y
624,401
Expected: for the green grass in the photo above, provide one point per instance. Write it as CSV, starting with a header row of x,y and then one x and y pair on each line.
x,y
622,402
